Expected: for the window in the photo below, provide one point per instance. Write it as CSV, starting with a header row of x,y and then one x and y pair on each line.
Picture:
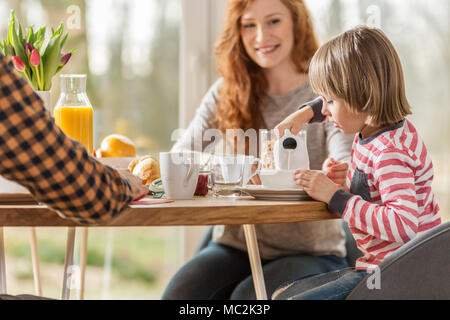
x,y
130,51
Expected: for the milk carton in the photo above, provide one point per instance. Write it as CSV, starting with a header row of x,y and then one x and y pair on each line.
x,y
291,152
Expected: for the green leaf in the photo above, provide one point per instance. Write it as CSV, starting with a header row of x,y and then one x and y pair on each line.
x,y
39,39
18,44
41,33
21,34
30,35
51,60
10,28
8,51
58,31
63,40
38,45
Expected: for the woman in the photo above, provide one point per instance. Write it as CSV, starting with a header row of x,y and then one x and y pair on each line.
x,y
263,57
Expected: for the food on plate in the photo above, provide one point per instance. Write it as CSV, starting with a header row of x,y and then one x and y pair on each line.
x,y
145,168
116,145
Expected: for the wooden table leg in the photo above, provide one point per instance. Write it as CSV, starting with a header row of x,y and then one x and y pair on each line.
x,y
35,262
255,261
68,264
2,264
83,259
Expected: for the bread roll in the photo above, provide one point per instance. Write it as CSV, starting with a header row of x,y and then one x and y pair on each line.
x,y
145,168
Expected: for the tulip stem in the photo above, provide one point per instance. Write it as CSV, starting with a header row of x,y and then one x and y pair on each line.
x,y
26,75
41,73
38,78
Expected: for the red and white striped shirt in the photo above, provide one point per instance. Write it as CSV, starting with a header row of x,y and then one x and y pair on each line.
x,y
390,199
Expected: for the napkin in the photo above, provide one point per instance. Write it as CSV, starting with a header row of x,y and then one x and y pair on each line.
x,y
147,201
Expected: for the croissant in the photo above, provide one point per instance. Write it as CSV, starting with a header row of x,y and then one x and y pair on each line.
x,y
145,168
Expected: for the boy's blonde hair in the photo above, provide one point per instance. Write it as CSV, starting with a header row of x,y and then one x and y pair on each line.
x,y
362,68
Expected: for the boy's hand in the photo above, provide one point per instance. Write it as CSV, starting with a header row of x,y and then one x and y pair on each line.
x,y
336,170
294,122
316,184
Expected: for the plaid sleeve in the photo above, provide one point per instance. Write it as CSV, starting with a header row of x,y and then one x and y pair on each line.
x,y
57,170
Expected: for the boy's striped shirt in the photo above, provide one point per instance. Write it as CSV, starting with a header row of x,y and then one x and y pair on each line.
x,y
390,199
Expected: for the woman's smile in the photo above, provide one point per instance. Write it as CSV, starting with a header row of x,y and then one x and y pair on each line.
x,y
267,50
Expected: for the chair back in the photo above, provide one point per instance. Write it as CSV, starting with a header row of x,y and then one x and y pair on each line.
x,y
417,270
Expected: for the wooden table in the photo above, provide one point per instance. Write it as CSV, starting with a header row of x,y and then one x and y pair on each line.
x,y
199,211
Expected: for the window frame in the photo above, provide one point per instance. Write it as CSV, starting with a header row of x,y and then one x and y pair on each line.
x,y
201,22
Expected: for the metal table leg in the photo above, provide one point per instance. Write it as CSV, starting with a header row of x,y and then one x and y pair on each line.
x,y
83,259
255,261
2,264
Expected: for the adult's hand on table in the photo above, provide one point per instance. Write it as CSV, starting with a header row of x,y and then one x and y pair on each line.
x,y
137,188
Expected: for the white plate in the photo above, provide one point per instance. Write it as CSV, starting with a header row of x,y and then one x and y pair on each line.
x,y
264,193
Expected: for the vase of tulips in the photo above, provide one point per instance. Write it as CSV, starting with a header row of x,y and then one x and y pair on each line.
x,y
37,63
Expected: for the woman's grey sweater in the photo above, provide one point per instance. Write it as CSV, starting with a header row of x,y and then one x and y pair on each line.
x,y
323,141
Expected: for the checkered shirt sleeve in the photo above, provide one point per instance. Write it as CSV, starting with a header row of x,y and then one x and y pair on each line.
x,y
57,170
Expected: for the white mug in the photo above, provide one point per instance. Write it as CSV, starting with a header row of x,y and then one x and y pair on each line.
x,y
179,174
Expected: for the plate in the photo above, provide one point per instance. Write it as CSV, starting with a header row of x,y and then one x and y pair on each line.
x,y
264,193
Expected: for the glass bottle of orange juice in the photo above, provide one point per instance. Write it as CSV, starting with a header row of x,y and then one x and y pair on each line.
x,y
73,112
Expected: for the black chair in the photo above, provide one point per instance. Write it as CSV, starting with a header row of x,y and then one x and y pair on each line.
x,y
418,270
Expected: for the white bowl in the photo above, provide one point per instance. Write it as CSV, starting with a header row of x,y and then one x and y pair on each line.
x,y
117,162
278,179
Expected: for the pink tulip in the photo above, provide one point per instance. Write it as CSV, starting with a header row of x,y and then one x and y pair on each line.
x,y
18,63
35,58
65,58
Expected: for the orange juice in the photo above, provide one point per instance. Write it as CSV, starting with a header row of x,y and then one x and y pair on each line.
x,y
77,123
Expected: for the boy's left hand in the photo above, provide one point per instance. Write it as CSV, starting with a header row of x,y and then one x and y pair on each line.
x,y
316,184
336,170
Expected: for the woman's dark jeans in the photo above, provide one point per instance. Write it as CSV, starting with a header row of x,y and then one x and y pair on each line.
x,y
222,272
